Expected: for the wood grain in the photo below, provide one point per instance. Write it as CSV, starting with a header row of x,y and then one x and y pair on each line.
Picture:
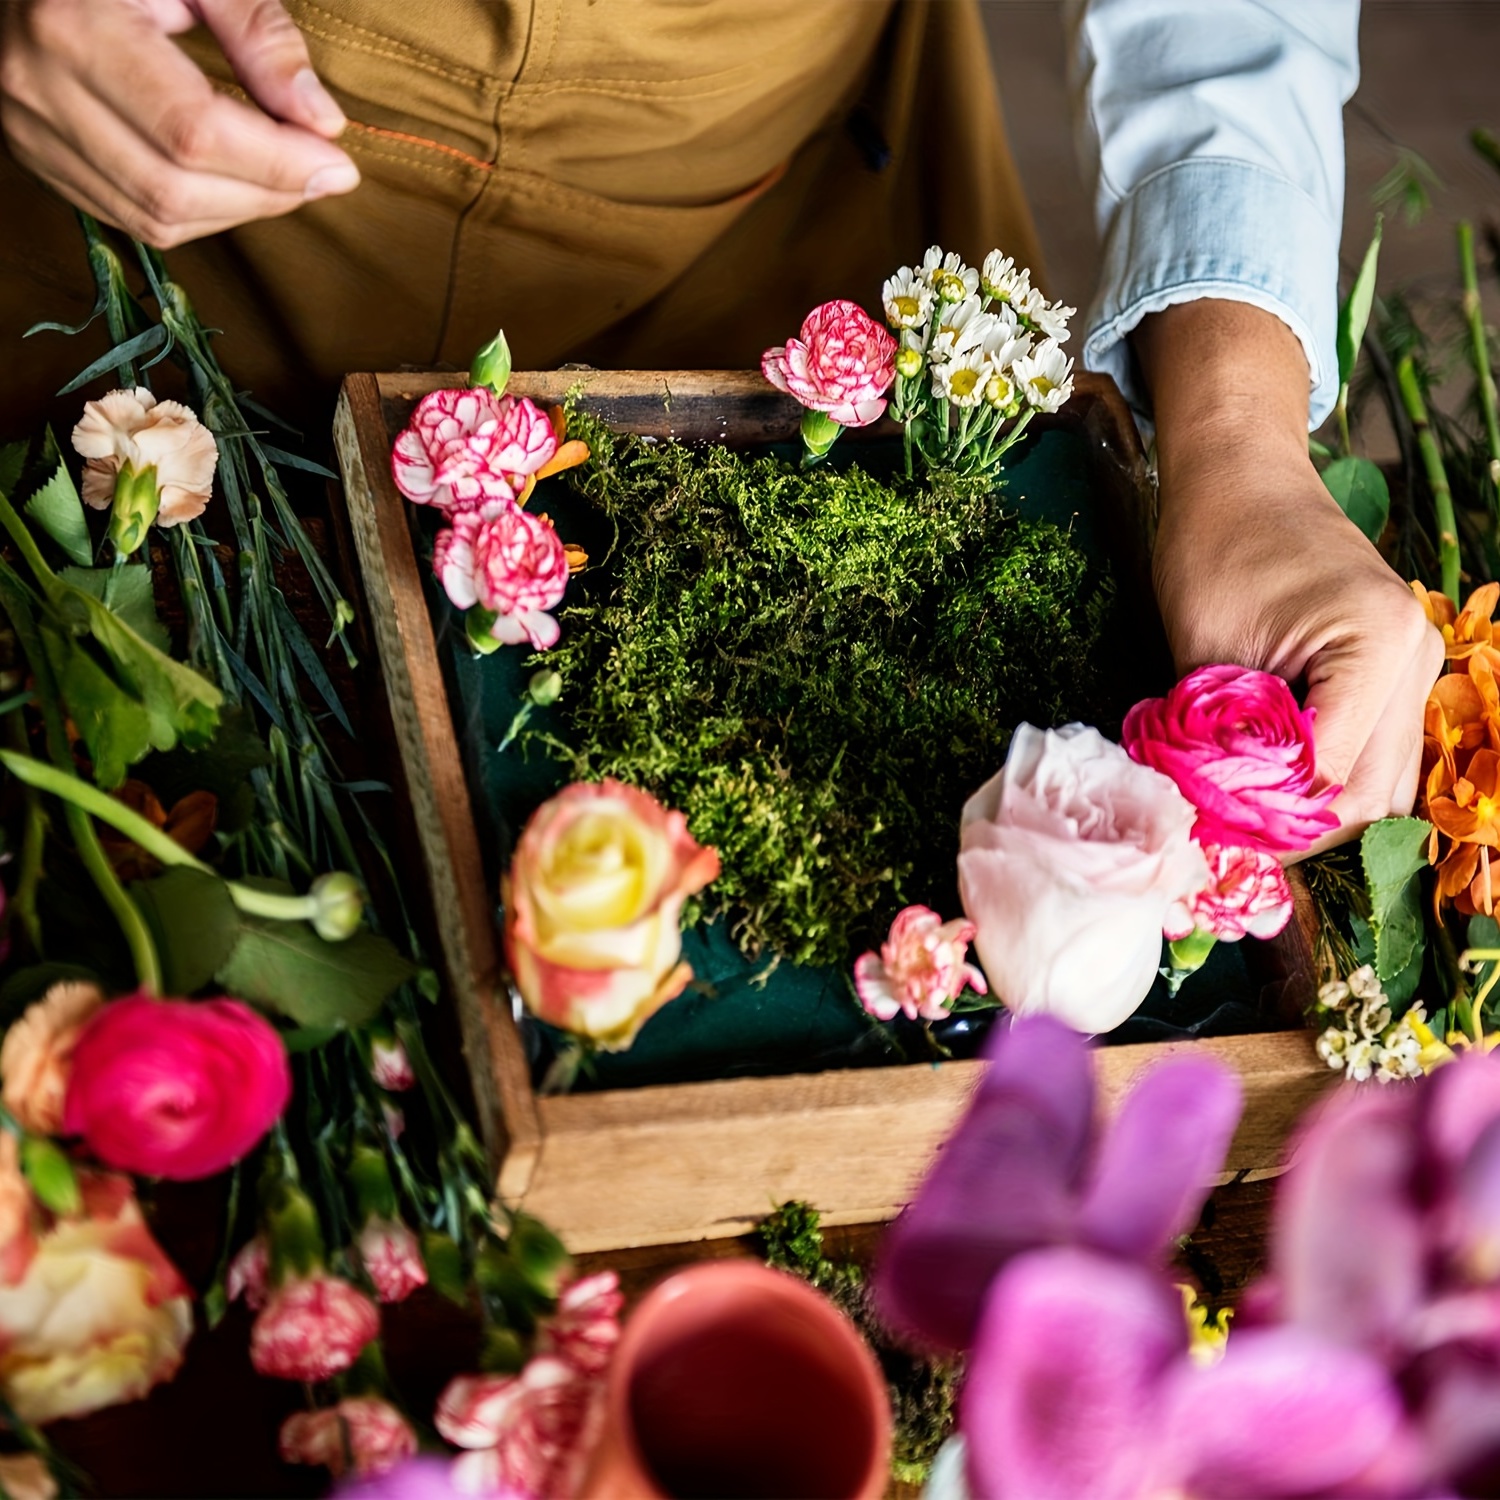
x,y
705,1161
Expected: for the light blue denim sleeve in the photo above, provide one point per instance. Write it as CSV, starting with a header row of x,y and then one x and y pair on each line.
x,y
1212,136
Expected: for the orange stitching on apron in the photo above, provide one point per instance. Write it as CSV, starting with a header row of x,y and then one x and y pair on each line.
x,y
390,48
418,140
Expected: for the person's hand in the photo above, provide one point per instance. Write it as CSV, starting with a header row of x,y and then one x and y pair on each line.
x,y
97,101
1255,563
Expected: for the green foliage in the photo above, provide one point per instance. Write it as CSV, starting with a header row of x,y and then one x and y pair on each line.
x,y
127,591
1394,852
1354,315
193,922
818,668
1359,487
50,1174
57,509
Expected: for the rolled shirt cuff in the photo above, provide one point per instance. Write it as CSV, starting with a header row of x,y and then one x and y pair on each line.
x,y
1217,227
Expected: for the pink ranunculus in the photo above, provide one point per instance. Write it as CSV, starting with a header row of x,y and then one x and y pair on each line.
x,y
392,1258
586,1326
593,909
512,564
1247,895
363,1431
920,968
842,364
249,1274
175,1088
1069,862
470,450
530,1432
1241,751
311,1328
390,1067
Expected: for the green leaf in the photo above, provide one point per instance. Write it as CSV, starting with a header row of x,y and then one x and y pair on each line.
x,y
1362,493
121,354
1484,932
57,509
1354,315
1394,852
128,593
114,726
288,968
12,466
222,767
195,925
50,1174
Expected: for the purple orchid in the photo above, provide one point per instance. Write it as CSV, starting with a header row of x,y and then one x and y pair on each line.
x,y
1029,1167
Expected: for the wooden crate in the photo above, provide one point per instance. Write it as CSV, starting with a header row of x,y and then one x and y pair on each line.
x,y
662,1165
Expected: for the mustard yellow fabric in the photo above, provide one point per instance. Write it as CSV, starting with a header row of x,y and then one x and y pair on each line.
x,y
632,183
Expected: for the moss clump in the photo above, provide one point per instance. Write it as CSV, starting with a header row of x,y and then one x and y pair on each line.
x,y
817,667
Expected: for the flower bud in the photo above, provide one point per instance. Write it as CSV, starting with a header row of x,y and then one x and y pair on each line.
x,y
1190,953
908,362
340,906
491,365
819,433
50,1174
545,687
479,627
136,503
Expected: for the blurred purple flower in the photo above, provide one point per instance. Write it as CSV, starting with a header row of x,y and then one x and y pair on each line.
x,y
426,1477
1029,1168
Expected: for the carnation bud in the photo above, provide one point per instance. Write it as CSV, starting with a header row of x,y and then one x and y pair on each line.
x,y
340,906
370,1179
908,362
1190,953
545,687
478,622
491,365
136,503
819,433
502,1352
50,1174
295,1236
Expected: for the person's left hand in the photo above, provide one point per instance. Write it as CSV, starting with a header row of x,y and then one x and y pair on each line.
x,y
1255,563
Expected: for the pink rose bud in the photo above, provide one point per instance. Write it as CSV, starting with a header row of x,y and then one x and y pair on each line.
x,y
249,1273
920,969
1247,895
37,1054
842,364
364,1430
471,450
392,1258
586,1326
593,909
390,1067
512,565
311,1328
1241,751
176,1088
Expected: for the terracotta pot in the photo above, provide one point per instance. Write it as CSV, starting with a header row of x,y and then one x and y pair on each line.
x,y
731,1379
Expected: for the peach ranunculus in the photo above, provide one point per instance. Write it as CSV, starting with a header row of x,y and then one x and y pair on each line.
x,y
37,1054
100,1316
133,430
593,909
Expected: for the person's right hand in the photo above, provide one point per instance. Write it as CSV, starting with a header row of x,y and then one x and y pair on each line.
x,y
97,101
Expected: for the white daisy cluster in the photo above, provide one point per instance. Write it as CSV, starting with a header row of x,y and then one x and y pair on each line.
x,y
1362,1042
975,349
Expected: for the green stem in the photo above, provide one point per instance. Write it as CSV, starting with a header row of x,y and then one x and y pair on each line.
x,y
26,545
32,841
1480,354
137,935
1341,411
271,904
1437,477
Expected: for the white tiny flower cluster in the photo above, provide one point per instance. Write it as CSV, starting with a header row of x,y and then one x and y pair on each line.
x,y
1362,1042
985,344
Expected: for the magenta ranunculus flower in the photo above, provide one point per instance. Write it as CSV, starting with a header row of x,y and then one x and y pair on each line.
x,y
1241,751
470,450
311,1328
175,1088
1247,895
920,968
512,564
842,364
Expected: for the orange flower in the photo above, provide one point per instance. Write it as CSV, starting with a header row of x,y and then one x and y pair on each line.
x,y
1466,632
190,823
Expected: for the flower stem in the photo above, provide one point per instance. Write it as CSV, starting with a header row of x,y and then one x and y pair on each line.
x,y
1480,354
1437,477
32,840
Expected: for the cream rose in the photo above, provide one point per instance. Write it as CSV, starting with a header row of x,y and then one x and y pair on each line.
x,y
593,909
1070,859
100,1316
37,1055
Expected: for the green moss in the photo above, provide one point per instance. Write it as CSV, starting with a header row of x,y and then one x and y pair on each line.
x,y
817,667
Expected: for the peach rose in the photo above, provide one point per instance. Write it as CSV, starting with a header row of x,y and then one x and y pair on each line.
x,y
37,1054
100,1316
132,429
593,909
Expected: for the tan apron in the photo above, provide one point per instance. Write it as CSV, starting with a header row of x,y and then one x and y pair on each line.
x,y
633,183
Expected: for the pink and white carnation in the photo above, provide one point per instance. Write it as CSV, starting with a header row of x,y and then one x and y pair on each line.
x,y
842,364
1241,751
1247,895
512,564
470,450
1070,860
392,1259
390,1066
311,1328
249,1274
362,1431
920,968
586,1326
529,1432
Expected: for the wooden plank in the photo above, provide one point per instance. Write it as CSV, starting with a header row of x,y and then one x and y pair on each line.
x,y
435,784
707,1160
